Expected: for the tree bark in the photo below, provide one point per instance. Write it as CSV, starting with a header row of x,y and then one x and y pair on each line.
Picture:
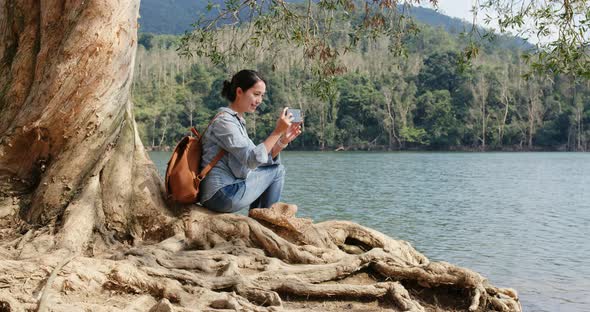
x,y
69,145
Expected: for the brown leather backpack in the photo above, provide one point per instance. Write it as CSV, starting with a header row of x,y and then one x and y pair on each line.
x,y
182,174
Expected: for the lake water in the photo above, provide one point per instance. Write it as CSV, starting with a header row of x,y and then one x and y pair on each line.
x,y
520,219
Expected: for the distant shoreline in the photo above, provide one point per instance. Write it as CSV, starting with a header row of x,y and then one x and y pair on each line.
x,y
509,149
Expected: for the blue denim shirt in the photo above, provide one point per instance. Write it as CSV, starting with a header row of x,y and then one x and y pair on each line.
x,y
228,132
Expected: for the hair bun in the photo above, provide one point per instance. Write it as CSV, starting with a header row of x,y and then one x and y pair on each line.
x,y
226,90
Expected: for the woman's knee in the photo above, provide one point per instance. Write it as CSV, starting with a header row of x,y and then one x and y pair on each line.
x,y
273,171
281,170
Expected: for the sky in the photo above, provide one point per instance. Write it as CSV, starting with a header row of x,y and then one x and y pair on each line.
x,y
456,8
463,9
459,9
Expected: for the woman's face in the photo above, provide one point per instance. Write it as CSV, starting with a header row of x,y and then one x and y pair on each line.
x,y
247,102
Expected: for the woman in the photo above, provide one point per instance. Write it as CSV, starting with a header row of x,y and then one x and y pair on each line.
x,y
248,175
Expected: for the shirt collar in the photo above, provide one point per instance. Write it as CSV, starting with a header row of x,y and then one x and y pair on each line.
x,y
233,113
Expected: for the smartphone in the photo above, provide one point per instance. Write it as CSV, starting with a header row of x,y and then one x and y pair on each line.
x,y
296,115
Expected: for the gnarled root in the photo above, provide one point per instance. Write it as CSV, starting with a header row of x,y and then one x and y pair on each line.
x,y
343,249
232,262
8,303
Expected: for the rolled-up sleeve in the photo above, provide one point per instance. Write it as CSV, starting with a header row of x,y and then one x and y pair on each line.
x,y
228,135
273,161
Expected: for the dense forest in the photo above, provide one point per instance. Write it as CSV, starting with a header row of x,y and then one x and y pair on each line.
x,y
425,99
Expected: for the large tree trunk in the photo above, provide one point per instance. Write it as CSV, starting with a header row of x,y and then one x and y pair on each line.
x,y
76,186
69,146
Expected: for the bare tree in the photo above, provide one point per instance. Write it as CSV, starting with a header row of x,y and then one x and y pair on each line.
x,y
506,98
534,110
390,119
190,108
480,90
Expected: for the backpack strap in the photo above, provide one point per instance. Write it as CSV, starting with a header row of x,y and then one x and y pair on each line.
x,y
217,157
196,133
210,166
205,131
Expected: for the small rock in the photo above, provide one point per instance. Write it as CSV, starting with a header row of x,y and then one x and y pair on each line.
x,y
163,306
219,304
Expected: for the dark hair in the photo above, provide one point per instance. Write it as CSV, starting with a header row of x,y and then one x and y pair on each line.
x,y
244,79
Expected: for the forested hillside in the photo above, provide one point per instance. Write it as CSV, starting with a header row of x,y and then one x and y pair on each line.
x,y
174,17
169,16
421,101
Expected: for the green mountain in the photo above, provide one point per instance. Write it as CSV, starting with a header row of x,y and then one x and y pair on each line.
x,y
169,16
176,16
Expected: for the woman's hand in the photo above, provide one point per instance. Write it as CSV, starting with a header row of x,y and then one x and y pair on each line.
x,y
283,137
284,121
293,132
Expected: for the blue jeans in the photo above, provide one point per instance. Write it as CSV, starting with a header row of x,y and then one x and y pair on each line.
x,y
261,188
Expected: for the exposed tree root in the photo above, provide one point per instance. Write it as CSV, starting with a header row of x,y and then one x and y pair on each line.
x,y
231,262
43,300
